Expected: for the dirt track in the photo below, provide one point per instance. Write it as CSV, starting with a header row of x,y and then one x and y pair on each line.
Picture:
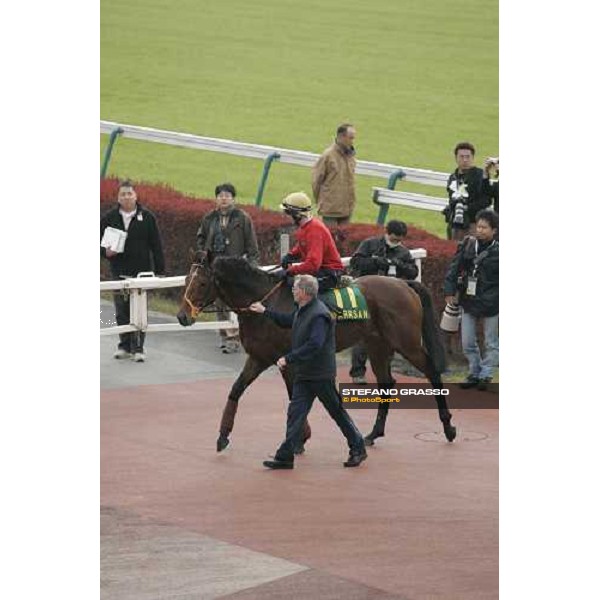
x,y
419,519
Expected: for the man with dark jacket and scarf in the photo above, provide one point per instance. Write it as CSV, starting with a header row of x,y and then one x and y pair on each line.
x,y
469,191
380,255
227,231
312,359
142,252
472,282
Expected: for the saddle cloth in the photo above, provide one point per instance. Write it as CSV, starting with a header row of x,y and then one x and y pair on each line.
x,y
347,303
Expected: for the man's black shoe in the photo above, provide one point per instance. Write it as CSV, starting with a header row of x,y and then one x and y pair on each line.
x,y
470,382
278,464
482,385
356,457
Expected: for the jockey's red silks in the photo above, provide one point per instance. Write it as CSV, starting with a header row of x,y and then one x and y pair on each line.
x,y
316,248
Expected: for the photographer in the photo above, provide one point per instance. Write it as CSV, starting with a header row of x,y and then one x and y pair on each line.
x,y
469,191
380,255
385,255
472,282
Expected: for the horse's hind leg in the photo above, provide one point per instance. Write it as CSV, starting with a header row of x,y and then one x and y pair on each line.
x,y
252,369
380,356
288,378
445,416
421,360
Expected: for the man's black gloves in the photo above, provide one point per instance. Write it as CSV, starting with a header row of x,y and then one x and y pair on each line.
x,y
382,263
287,260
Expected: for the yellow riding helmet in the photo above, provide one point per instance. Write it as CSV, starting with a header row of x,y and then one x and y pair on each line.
x,y
298,201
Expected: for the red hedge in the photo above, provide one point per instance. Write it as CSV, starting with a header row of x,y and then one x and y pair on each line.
x,y
179,215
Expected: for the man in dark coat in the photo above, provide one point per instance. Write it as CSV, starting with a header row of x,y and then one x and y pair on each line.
x,y
142,252
227,231
469,191
380,255
472,281
313,361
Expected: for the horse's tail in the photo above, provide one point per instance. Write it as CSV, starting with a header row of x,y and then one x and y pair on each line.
x,y
432,336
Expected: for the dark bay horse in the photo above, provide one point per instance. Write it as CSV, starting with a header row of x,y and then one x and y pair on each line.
x,y
401,320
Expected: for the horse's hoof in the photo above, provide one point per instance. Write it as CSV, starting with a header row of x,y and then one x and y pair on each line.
x,y
450,432
371,437
299,450
222,443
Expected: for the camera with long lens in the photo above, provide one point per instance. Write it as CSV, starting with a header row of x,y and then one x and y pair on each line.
x,y
459,213
459,196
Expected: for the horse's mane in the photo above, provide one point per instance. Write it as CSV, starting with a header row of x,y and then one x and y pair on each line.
x,y
238,268
240,277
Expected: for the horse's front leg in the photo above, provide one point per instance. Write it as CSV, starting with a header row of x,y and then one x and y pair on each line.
x,y
252,369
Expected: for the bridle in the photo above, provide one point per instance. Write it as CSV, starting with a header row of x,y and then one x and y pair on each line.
x,y
196,310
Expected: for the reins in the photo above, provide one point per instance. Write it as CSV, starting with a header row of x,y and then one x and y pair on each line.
x,y
265,297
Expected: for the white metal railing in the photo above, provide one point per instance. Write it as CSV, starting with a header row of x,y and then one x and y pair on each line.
x,y
385,196
138,307
294,157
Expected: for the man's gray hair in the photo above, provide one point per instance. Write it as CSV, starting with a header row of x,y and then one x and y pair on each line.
x,y
307,283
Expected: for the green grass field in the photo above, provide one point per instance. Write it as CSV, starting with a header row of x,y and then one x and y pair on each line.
x,y
414,76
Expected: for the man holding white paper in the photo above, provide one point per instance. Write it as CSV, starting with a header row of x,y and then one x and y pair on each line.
x,y
130,240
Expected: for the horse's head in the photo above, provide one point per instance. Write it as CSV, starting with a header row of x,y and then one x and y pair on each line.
x,y
199,292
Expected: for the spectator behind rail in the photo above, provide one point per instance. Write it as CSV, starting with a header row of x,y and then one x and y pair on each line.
x,y
142,252
333,178
468,190
227,231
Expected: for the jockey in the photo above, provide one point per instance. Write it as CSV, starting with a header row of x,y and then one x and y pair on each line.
x,y
315,249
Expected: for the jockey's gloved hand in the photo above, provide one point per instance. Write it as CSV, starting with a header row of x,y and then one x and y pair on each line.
x,y
287,260
280,274
382,263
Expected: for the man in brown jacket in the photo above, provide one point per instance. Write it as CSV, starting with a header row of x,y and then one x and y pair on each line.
x,y
227,231
333,178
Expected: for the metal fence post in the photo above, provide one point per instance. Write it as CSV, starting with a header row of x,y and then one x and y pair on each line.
x,y
384,208
109,148
284,244
418,263
265,174
138,309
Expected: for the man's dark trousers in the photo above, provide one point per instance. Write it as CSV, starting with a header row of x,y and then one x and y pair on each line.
x,y
303,395
132,341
